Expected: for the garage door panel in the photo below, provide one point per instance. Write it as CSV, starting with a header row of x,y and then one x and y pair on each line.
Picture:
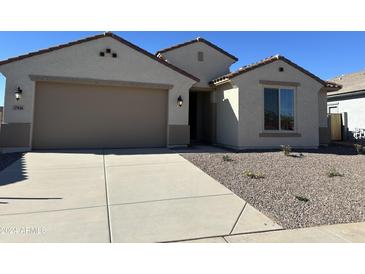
x,y
92,116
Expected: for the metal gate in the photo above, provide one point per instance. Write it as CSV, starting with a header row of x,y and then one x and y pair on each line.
x,y
336,126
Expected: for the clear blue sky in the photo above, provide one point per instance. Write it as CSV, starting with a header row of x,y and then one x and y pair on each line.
x,y
326,54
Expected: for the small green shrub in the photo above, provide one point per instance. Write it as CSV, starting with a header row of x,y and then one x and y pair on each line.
x,y
359,148
302,199
253,175
286,149
226,158
334,173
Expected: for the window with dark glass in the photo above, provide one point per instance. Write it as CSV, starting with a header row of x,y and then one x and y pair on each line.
x,y
279,109
287,109
271,109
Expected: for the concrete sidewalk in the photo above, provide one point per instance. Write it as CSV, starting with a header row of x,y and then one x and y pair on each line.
x,y
124,195
339,233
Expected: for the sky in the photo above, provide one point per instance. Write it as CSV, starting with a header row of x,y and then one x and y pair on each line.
x,y
325,54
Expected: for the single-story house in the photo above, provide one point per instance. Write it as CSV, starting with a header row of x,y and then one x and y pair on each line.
x,y
350,101
105,92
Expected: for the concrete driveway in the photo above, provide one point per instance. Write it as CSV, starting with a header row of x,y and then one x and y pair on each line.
x,y
128,195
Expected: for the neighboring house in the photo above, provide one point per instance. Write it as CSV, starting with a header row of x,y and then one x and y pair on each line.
x,y
104,92
350,101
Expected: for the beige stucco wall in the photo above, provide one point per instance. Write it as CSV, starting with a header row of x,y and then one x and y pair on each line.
x,y
226,98
251,107
324,130
215,63
322,108
83,61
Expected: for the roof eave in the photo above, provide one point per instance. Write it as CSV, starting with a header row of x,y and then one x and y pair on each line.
x,y
346,94
95,37
332,89
53,48
267,61
199,39
223,81
332,86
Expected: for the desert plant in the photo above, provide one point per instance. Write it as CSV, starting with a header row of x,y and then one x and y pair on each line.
x,y
359,148
334,173
226,158
301,198
253,175
286,149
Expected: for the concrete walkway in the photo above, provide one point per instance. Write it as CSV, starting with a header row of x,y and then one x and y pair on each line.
x,y
340,233
129,195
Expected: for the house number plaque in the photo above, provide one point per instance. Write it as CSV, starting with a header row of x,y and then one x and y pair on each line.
x,y
18,107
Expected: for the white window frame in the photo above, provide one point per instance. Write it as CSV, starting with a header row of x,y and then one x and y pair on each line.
x,y
294,114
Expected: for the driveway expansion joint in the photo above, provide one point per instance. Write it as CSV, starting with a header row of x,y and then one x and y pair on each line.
x,y
238,218
46,169
223,236
51,210
335,234
256,232
107,200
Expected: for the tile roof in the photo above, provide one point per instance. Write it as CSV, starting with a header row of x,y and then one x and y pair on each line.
x,y
266,61
333,85
106,34
351,82
199,39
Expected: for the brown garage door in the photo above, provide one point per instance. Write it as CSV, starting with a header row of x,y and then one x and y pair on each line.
x,y
93,116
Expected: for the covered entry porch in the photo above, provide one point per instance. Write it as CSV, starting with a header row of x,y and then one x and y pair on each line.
x,y
202,116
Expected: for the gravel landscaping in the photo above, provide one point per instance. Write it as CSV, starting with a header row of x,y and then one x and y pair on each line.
x,y
299,190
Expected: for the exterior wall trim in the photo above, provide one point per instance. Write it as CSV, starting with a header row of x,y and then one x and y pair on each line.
x,y
324,135
279,134
279,83
178,135
45,78
15,135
